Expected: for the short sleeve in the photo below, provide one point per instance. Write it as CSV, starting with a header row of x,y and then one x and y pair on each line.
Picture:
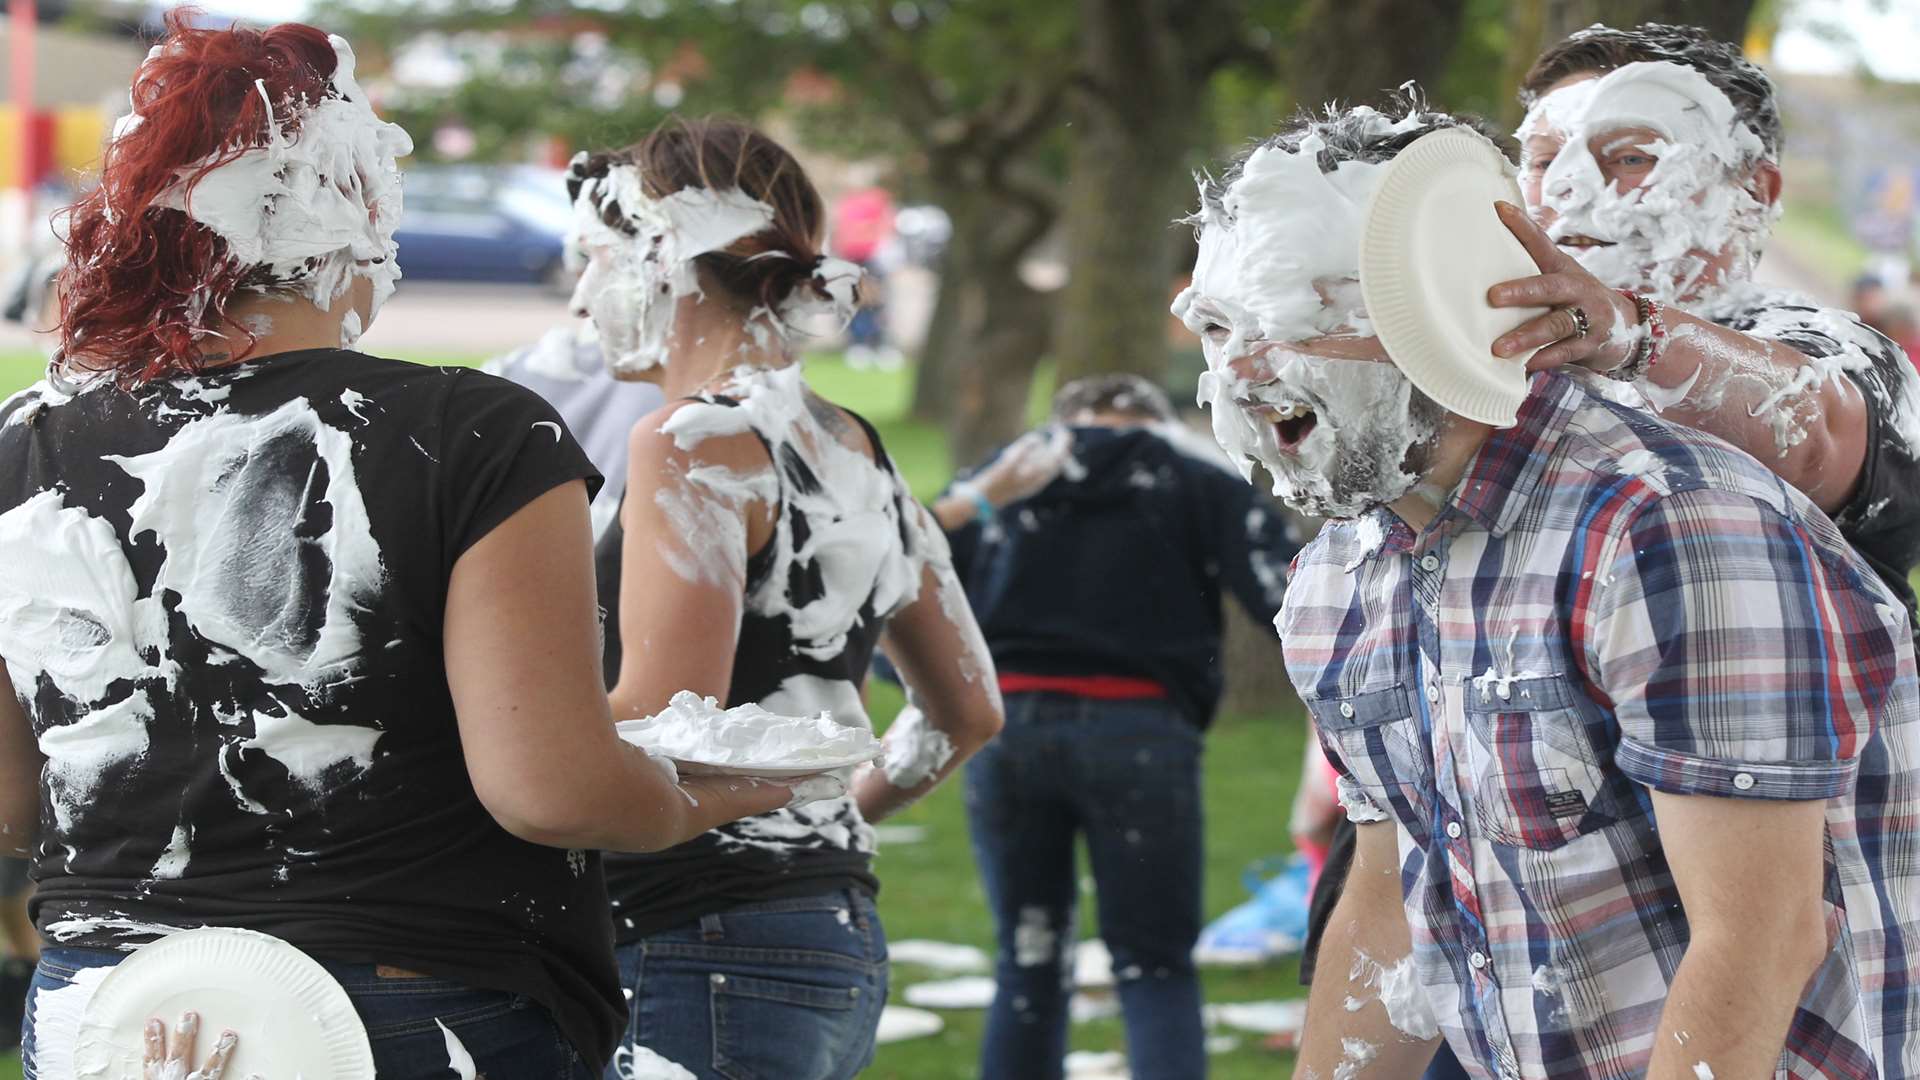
x,y
1360,809
502,446
1743,653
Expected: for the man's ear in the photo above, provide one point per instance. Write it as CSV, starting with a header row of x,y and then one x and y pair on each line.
x,y
1765,183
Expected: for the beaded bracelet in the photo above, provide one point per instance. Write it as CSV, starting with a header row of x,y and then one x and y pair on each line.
x,y
1647,351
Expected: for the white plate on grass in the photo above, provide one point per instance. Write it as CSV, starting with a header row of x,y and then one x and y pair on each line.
x,y
1430,248
898,1023
293,1018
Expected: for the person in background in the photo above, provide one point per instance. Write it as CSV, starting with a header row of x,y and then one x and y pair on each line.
x,y
863,234
1096,553
567,368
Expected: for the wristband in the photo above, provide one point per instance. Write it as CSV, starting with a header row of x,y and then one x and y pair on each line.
x,y
1647,351
982,507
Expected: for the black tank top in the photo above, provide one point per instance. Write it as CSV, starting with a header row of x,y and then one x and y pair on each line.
x,y
848,546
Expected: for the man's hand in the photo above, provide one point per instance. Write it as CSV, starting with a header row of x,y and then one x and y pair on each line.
x,y
1750,874
1563,285
1032,462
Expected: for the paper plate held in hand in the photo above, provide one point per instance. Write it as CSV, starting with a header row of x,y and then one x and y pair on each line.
x,y
776,771
293,1018
1431,247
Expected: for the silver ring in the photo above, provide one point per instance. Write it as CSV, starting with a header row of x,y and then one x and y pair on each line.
x,y
1580,324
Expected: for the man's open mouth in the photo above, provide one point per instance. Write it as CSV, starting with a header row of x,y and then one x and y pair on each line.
x,y
1292,421
1582,242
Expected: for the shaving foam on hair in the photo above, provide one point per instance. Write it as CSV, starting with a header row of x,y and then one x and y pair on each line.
x,y
641,265
1658,238
317,204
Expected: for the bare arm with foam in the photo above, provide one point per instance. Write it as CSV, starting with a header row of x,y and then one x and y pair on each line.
x,y
1739,387
20,762
1750,950
1351,1029
683,565
1798,416
523,665
938,649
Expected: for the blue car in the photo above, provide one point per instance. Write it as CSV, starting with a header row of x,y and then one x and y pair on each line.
x,y
473,223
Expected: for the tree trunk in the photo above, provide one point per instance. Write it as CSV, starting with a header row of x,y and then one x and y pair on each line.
x,y
997,328
1724,19
1133,124
933,369
1357,51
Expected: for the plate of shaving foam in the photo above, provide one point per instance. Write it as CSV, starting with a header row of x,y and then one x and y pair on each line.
x,y
1430,248
704,739
293,1018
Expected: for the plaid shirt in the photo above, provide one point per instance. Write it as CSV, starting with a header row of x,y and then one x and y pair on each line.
x,y
1611,603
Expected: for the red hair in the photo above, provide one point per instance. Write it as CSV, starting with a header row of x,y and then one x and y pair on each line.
x,y
145,283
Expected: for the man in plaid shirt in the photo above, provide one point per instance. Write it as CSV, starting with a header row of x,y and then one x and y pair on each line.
x,y
1631,729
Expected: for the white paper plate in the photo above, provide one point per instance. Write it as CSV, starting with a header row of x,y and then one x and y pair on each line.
x,y
1430,248
778,770
898,1023
966,992
293,1018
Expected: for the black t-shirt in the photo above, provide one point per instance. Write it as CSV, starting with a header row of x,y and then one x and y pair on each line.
x,y
221,602
800,650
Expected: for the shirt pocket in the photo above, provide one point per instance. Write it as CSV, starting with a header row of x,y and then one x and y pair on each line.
x,y
1537,780
1379,742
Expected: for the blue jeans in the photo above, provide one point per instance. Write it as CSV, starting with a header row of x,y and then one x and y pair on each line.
x,y
507,1034
779,990
1127,775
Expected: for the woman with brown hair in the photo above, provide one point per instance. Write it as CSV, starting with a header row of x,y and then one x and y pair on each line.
x,y
765,547
296,639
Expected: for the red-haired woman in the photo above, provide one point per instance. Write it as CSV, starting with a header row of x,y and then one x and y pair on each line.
x,y
765,547
296,639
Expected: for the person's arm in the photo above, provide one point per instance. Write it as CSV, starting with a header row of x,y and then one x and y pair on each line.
x,y
937,648
1256,546
691,519
1027,465
523,664
1740,781
20,763
1718,380
1368,930
1750,951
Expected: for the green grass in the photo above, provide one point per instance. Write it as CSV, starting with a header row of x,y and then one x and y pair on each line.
x,y
930,890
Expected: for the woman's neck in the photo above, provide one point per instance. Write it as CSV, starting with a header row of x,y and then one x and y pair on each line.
x,y
278,323
703,350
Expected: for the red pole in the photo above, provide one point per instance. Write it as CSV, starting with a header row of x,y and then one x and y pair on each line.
x,y
24,21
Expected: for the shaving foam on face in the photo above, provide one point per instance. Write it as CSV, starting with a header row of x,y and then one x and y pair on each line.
x,y
1662,237
1279,252
316,204
639,269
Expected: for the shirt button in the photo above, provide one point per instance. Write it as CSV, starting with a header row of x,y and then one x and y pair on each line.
x,y
1454,830
1433,693
1429,563
1346,709
1743,781
721,980
1477,960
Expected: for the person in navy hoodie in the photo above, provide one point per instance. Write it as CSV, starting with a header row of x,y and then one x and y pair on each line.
x,y
1095,552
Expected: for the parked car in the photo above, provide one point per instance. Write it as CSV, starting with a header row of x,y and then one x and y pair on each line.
x,y
485,223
